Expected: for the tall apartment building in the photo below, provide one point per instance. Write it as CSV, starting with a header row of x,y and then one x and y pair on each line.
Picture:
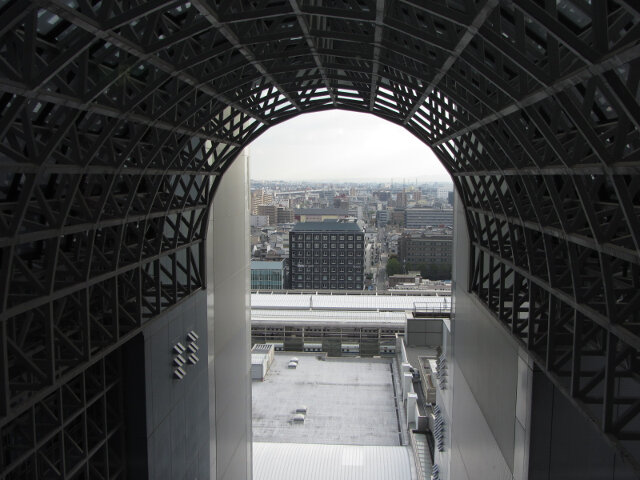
x,y
326,255
427,217
401,199
276,214
260,197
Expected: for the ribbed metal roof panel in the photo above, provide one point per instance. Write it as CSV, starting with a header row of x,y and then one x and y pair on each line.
x,y
291,461
328,318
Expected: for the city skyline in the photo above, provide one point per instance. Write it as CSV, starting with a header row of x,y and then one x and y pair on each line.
x,y
361,148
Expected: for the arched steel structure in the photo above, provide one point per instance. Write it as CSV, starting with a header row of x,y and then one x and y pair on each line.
x,y
118,118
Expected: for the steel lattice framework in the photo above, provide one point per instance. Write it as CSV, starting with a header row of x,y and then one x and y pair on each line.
x,y
119,116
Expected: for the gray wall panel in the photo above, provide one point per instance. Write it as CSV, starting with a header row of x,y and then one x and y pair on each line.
x,y
489,360
485,380
479,451
175,407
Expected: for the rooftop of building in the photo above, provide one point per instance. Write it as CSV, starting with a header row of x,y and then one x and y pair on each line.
x,y
342,397
326,226
267,264
328,318
446,208
320,211
358,301
429,230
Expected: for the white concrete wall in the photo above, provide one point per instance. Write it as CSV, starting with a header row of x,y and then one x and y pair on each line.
x,y
228,303
490,382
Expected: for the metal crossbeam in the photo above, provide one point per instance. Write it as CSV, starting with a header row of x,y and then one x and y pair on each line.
x,y
468,35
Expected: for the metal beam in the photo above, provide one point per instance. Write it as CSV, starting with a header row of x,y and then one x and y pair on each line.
x,y
210,14
466,37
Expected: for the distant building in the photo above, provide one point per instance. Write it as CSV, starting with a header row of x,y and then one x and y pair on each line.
x,y
356,212
397,218
382,217
417,218
442,193
267,275
383,196
400,278
267,211
326,255
276,214
260,197
259,220
430,252
451,194
401,199
284,215
319,214
341,202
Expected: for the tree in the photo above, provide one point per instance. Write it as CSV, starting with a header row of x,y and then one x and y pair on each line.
x,y
393,266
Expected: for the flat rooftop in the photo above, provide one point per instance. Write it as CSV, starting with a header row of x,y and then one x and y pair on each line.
x,y
371,302
320,211
328,226
349,402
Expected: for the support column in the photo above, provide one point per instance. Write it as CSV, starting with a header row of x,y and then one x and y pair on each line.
x,y
228,313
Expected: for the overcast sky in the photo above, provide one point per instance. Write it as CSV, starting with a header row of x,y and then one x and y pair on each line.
x,y
337,145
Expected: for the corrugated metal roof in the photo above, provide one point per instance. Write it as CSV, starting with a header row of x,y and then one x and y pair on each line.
x,y
293,461
328,318
349,302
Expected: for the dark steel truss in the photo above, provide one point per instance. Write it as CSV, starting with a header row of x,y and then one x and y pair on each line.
x,y
118,118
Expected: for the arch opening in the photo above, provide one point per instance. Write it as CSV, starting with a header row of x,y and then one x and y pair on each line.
x,y
117,121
